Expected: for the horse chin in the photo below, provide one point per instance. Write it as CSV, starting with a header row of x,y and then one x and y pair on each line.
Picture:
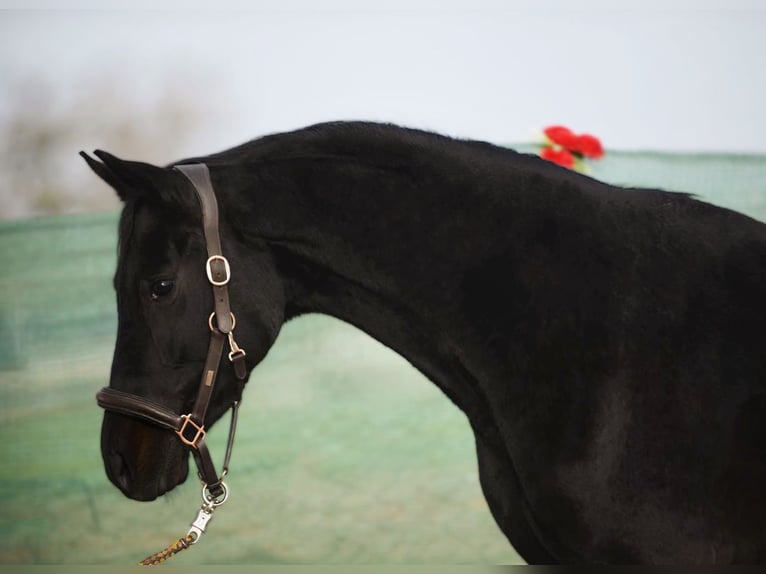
x,y
144,462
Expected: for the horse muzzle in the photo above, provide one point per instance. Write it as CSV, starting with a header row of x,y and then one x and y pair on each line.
x,y
142,460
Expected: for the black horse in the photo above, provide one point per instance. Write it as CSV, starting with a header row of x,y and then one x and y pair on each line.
x,y
607,345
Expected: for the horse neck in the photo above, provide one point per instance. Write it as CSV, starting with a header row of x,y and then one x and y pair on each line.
x,y
383,249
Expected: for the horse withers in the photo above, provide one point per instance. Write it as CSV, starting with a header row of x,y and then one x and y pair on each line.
x,y
607,345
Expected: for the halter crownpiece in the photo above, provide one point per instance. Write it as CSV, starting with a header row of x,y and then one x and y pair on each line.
x,y
190,427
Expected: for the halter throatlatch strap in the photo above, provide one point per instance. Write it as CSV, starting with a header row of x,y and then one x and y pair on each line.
x,y
190,428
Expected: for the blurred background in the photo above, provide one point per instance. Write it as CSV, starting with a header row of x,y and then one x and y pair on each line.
x,y
345,454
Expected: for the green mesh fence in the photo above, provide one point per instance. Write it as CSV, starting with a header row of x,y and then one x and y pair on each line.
x,y
345,453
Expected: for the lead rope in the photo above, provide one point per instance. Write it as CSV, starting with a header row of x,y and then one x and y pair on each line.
x,y
169,552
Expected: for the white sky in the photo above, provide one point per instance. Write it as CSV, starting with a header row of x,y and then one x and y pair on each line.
x,y
664,75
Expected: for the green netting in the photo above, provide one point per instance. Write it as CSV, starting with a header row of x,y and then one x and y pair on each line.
x,y
736,181
345,454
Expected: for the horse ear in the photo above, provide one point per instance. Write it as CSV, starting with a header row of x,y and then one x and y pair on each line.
x,y
133,179
104,173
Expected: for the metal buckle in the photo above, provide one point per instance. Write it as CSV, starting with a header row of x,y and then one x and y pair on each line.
x,y
199,431
209,270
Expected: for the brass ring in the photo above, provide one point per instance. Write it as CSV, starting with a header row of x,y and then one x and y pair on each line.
x,y
215,329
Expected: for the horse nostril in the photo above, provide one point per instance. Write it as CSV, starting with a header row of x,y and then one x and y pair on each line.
x,y
120,472
162,485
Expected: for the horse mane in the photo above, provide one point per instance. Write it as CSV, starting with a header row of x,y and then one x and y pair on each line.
x,y
494,172
343,139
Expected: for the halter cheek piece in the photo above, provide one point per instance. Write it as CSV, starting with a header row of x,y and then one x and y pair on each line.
x,y
190,427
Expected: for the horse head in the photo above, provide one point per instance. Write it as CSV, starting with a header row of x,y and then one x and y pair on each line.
x,y
164,304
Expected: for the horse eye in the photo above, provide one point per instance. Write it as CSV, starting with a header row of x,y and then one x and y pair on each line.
x,y
161,288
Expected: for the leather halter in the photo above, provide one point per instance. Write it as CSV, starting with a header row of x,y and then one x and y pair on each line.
x,y
190,428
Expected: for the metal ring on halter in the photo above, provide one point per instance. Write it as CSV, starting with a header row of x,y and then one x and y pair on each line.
x,y
215,329
215,501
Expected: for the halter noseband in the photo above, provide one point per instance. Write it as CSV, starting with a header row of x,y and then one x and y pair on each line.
x,y
190,427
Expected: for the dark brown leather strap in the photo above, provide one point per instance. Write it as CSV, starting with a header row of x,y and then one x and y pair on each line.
x,y
209,375
218,269
135,406
219,274
206,468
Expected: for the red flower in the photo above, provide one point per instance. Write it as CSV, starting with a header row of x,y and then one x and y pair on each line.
x,y
589,146
568,149
562,157
561,136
